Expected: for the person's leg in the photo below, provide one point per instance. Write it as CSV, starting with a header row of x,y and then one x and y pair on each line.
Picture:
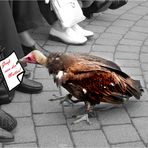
x,y
8,34
57,31
10,41
26,39
27,16
96,7
47,13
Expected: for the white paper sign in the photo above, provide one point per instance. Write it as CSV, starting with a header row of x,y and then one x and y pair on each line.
x,y
12,71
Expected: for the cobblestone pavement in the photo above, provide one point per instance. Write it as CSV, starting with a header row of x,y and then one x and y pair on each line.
x,y
120,35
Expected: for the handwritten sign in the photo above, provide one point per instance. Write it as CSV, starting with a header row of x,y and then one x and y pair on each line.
x,y
12,71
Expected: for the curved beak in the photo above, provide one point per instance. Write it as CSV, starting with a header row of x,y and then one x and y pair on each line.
x,y
29,58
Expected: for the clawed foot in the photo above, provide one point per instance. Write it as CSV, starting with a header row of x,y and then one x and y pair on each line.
x,y
81,118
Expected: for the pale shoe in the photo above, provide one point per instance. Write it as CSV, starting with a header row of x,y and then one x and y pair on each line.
x,y
82,31
67,35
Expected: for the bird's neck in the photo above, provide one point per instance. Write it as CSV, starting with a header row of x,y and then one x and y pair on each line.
x,y
43,61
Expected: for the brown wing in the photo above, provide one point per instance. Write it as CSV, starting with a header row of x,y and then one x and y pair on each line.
x,y
97,81
99,60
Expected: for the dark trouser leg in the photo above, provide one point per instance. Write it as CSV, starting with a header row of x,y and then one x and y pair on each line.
x,y
49,15
8,33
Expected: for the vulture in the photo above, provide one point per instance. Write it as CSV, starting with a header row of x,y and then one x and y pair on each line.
x,y
90,79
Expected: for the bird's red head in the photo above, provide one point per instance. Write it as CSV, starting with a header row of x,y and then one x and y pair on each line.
x,y
29,58
35,57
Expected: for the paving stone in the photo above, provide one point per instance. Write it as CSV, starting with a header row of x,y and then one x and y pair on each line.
x,y
41,42
136,35
132,70
83,125
84,23
21,97
101,23
129,5
139,10
23,145
121,133
140,29
107,17
146,42
137,109
80,49
54,48
129,16
127,63
117,30
147,86
142,23
143,58
24,131
144,95
130,145
41,103
54,136
130,42
92,39
30,67
103,48
74,110
48,84
118,12
145,76
98,29
106,55
94,139
144,49
141,126
126,55
95,36
41,73
145,4
104,41
49,119
113,116
18,109
111,36
50,42
145,17
127,48
123,23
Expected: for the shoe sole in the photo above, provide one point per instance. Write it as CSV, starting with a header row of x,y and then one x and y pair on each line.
x,y
6,140
27,91
54,38
89,37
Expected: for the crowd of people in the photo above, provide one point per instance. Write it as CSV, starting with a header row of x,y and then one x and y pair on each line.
x,y
16,20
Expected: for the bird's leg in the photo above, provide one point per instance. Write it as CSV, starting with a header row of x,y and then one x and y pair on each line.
x,y
62,99
84,117
67,98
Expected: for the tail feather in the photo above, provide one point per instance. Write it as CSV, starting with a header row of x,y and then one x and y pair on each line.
x,y
134,88
115,98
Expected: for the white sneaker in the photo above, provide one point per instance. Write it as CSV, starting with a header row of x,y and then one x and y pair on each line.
x,y
67,35
82,31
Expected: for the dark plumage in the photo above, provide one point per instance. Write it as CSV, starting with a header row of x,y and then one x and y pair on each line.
x,y
90,78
